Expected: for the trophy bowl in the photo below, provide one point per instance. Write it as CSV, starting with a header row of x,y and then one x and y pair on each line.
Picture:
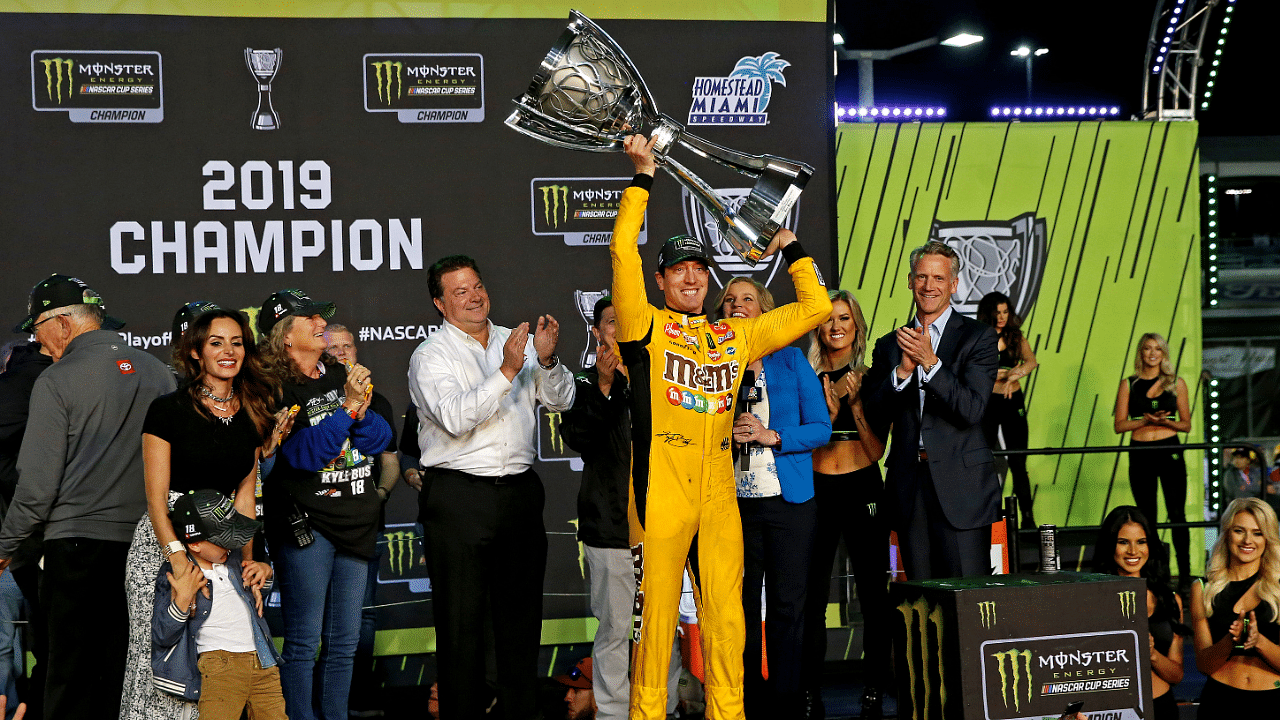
x,y
588,95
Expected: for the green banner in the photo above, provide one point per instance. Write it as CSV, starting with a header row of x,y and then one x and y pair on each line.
x,y
1091,228
763,10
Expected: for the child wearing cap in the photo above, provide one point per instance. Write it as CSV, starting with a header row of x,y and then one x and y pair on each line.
x,y
209,640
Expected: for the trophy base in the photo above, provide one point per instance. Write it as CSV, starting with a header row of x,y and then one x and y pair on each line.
x,y
264,121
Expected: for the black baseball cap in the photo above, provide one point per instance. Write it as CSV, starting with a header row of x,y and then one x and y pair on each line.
x,y
58,291
208,515
290,302
187,315
681,248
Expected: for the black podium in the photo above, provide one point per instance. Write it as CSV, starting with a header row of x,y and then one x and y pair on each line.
x,y
1022,646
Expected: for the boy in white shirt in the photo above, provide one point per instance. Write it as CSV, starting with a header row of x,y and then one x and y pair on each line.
x,y
209,640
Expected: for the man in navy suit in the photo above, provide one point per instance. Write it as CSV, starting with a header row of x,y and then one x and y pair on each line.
x,y
931,379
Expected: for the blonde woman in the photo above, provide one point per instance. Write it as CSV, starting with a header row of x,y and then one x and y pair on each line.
x,y
1233,615
849,489
1152,405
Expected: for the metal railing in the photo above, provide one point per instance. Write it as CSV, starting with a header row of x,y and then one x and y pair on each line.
x,y
1011,514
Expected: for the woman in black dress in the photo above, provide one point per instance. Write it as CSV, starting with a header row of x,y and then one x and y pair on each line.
x,y
1127,546
1152,405
1007,410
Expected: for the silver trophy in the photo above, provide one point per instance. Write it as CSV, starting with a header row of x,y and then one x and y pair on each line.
x,y
586,302
264,64
587,95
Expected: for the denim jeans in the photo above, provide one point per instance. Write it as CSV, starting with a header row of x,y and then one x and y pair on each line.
x,y
319,688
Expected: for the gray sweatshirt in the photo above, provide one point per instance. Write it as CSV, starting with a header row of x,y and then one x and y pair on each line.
x,y
80,467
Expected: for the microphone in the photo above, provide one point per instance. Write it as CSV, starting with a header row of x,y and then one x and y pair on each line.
x,y
747,393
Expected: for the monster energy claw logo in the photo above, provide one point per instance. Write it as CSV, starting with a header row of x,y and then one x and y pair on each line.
x,y
1128,601
382,73
987,611
555,204
1014,665
53,73
400,552
921,655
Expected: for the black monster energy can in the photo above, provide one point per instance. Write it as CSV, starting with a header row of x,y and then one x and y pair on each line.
x,y
1049,562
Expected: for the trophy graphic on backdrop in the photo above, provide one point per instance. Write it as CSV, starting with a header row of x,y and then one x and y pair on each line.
x,y
587,95
586,301
264,64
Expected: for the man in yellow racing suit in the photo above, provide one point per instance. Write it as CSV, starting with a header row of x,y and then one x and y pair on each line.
x,y
685,372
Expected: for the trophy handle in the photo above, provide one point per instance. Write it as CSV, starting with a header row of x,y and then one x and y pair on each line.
x,y
745,163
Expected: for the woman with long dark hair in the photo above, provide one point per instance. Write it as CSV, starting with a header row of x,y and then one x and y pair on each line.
x,y
321,504
1233,614
775,497
206,435
1127,546
850,492
1152,404
1007,408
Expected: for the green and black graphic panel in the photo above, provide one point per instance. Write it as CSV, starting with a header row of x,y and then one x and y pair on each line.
x,y
1090,228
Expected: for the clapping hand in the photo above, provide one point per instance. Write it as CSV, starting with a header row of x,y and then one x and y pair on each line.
x,y
513,350
607,362
545,339
284,425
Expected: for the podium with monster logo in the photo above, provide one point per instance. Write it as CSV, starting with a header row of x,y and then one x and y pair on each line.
x,y
1007,647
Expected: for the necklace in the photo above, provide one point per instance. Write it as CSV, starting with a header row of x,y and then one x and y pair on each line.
x,y
206,392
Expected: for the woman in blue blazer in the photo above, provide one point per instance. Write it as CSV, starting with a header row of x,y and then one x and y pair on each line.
x,y
786,418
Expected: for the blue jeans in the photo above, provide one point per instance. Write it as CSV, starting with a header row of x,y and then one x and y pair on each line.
x,y
319,688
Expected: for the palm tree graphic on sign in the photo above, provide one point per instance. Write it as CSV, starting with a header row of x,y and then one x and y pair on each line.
x,y
767,67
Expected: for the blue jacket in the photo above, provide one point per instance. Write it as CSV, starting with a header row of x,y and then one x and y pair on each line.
x,y
798,413
173,634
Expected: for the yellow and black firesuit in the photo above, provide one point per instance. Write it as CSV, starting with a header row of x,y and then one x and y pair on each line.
x,y
685,372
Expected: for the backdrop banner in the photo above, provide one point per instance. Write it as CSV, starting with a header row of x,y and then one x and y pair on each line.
x,y
1092,229
165,158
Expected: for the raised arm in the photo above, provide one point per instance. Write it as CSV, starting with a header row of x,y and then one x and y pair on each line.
x,y
779,328
635,314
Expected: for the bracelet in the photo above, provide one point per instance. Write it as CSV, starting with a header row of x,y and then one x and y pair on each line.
x,y
171,548
554,360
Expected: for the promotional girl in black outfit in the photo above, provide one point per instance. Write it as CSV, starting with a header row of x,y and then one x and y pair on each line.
x,y
1152,404
1233,614
849,489
1127,546
1006,410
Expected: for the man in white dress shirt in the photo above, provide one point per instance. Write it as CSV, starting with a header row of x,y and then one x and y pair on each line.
x,y
476,387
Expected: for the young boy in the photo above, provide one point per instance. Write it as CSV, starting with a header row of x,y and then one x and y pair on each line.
x,y
206,620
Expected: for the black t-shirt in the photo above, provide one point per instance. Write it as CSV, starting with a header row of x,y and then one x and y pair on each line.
x,y
205,452
341,499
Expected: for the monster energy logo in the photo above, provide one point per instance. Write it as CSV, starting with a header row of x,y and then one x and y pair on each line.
x,y
53,73
555,204
557,439
1014,666
871,509
382,73
400,552
917,616
987,611
1128,601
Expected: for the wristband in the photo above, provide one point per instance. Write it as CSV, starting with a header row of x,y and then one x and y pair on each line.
x,y
172,547
554,360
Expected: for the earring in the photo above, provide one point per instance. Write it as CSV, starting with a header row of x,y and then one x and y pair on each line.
x,y
288,344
